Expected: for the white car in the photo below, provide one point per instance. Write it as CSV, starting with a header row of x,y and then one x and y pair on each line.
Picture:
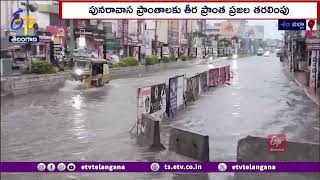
x,y
266,54
260,52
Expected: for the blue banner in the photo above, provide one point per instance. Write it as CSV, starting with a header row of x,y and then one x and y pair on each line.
x,y
298,24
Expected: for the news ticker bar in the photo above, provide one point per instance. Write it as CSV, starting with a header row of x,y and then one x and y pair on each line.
x,y
188,167
187,10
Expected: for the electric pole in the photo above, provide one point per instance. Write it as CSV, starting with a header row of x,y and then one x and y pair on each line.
x,y
71,40
122,24
187,38
156,37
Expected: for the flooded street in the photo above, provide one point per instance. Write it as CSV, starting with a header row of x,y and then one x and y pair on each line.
x,y
94,124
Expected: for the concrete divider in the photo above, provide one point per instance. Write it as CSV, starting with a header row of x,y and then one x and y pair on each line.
x,y
151,132
142,69
17,85
256,149
189,144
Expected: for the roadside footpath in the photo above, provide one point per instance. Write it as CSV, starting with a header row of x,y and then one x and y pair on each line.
x,y
301,80
312,93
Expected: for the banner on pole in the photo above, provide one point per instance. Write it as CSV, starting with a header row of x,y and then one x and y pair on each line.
x,y
176,52
213,77
180,92
203,83
159,52
144,100
158,99
189,90
228,73
314,59
222,75
195,83
173,92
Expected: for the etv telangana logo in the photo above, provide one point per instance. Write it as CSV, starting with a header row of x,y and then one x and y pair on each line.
x,y
277,142
18,23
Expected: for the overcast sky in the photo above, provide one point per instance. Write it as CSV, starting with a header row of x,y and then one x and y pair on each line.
x,y
270,27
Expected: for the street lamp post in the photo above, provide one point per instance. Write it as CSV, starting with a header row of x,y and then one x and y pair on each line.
x,y
28,8
156,37
27,52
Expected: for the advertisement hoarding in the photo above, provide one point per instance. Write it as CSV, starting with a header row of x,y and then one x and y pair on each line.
x,y
313,70
176,52
175,99
228,73
180,92
195,83
189,90
213,75
203,82
222,75
158,99
144,99
166,51
253,32
159,52
173,91
229,29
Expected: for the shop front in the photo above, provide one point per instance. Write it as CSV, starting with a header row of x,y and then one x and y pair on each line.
x,y
135,51
99,43
42,49
90,42
58,45
313,56
58,33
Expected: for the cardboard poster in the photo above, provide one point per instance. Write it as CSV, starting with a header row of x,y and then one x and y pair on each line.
x,y
180,92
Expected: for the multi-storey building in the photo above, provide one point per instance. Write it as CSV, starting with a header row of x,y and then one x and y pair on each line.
x,y
90,37
213,28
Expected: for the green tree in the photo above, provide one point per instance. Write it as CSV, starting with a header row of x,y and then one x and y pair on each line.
x,y
224,42
216,37
236,38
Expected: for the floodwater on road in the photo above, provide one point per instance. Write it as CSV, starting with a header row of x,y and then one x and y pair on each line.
x,y
93,124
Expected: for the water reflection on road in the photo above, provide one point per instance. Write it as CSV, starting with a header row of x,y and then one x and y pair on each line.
x,y
93,124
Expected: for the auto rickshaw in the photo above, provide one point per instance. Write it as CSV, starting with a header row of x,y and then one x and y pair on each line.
x,y
91,71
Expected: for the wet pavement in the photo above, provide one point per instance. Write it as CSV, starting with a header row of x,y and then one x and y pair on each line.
x,y
93,124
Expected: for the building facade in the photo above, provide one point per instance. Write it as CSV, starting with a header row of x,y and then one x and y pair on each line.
x,y
302,56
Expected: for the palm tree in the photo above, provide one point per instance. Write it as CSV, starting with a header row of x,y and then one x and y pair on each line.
x,y
216,37
224,42
195,34
210,35
236,38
